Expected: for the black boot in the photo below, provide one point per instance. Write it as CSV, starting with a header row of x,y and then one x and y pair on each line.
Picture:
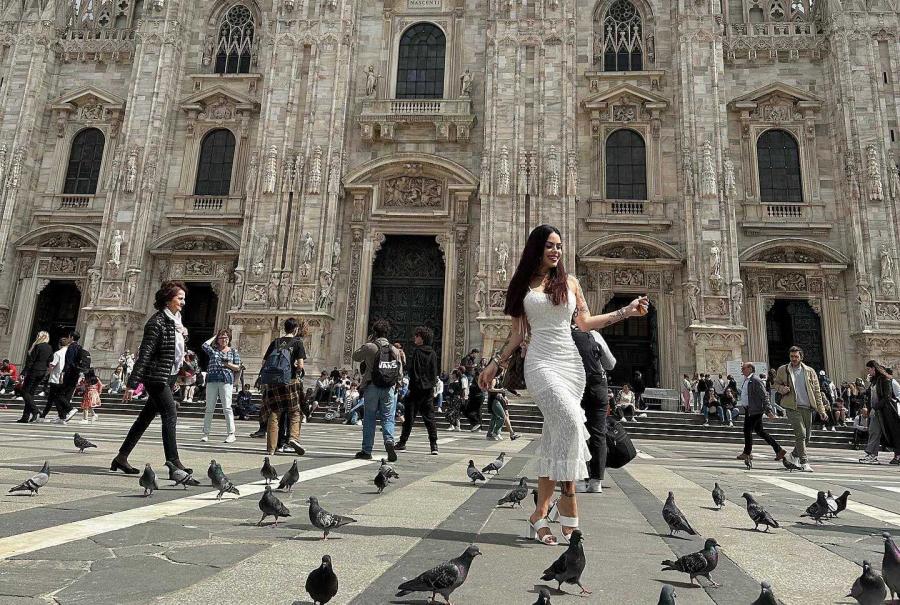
x,y
120,463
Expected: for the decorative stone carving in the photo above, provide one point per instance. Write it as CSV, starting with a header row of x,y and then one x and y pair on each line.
x,y
864,298
893,175
728,177
131,281
628,277
789,255
465,84
4,317
691,295
480,295
15,169
103,340
502,252
715,306
309,248
255,293
634,251
572,174
336,253
876,188
115,248
503,180
131,170
522,177
273,292
498,299
737,302
790,282
237,290
687,167
715,267
334,176
852,180
371,81
260,252
63,240
484,186
887,270
93,285
326,291
412,192
270,172
198,267
315,171
707,172
203,244
887,311
816,305
2,162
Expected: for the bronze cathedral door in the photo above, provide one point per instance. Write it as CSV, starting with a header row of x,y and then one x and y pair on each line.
x,y
408,288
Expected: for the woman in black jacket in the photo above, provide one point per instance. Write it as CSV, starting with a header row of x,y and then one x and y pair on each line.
x,y
34,372
158,361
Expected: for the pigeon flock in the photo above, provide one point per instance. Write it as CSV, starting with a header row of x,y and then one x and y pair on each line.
x,y
870,588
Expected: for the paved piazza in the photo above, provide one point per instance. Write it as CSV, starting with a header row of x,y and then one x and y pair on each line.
x,y
90,537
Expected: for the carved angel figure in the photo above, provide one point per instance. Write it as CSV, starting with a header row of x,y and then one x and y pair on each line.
x,y
115,248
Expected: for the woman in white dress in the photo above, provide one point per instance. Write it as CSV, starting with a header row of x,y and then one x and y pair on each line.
x,y
541,299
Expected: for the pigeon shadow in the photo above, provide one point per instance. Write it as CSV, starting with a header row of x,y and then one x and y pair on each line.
x,y
487,484
750,529
303,603
413,601
132,496
674,536
715,508
677,584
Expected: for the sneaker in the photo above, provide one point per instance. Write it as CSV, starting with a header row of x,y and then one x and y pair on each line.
x,y
434,452
730,424
451,428
391,451
705,424
363,456
46,420
833,430
895,460
641,416
71,414
743,456
95,417
204,438
594,487
230,438
359,423
475,429
514,436
792,459
295,445
258,434
806,468
60,421
869,459
492,437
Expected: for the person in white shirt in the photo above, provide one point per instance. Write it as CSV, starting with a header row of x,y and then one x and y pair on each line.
x,y
55,389
439,395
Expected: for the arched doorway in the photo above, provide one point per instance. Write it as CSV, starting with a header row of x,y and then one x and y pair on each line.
x,y
199,316
634,344
794,322
408,287
56,310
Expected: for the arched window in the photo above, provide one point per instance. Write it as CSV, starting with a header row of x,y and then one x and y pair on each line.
x,y
626,166
778,159
235,47
420,63
622,38
216,157
84,162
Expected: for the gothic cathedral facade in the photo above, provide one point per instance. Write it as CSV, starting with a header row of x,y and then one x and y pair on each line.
x,y
342,160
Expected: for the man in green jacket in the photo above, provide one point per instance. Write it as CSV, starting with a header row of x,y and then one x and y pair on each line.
x,y
800,397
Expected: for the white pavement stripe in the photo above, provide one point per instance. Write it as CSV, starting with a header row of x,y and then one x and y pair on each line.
x,y
444,440
879,514
890,488
63,534
645,456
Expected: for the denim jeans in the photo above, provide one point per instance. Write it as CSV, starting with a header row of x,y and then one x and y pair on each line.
x,y
379,402
719,412
218,391
439,402
351,415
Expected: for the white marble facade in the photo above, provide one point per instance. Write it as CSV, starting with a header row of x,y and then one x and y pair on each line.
x,y
324,153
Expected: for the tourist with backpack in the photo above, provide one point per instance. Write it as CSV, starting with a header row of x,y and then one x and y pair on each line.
x,y
381,367
280,377
423,375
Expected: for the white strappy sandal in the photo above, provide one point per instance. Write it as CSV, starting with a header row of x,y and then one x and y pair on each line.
x,y
553,515
534,528
567,522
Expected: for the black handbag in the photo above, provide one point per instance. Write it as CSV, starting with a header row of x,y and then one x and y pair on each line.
x,y
514,376
620,449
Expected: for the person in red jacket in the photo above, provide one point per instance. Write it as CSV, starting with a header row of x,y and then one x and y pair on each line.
x,y
9,376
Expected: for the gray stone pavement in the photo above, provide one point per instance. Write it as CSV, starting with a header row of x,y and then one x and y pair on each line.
x,y
90,536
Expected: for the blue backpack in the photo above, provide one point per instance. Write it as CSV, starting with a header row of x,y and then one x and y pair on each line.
x,y
277,368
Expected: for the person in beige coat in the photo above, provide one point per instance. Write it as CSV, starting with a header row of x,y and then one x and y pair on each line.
x,y
800,398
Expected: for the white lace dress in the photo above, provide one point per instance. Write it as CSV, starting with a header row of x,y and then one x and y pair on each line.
x,y
555,378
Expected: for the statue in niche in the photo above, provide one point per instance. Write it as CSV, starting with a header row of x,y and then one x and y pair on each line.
x,y
465,84
737,301
237,291
502,260
371,81
326,281
115,248
480,295
688,169
93,285
692,292
336,253
730,186
273,292
309,248
131,170
887,265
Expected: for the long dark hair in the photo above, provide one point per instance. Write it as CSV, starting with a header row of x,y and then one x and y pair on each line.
x,y
529,263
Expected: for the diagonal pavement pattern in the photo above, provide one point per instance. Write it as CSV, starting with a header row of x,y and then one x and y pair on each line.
x,y
89,536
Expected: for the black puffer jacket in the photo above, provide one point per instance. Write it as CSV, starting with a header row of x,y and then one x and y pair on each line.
x,y
156,356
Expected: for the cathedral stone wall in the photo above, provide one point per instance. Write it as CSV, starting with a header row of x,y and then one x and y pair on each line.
x,y
328,163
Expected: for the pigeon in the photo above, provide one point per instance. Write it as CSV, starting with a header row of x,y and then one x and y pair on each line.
x,y
700,563
219,480
817,509
515,495
543,597
322,583
675,518
869,588
290,478
381,480
388,470
473,473
324,520
758,514
36,482
181,477
766,596
890,565
567,569
718,496
841,503
496,465
271,506
81,443
667,595
790,466
748,462
148,480
832,503
268,472
443,579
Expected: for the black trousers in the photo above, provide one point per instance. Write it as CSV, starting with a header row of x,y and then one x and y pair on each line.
x,y
160,401
754,424
29,387
594,401
419,402
473,409
56,397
